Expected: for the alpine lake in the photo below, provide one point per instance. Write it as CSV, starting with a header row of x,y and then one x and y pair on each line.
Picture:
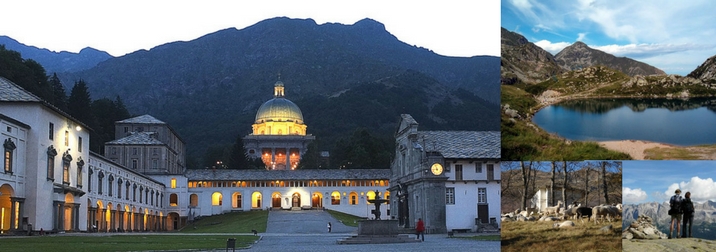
x,y
684,122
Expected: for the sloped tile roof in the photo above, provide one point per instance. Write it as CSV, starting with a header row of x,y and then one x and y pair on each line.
x,y
12,92
332,174
138,138
462,144
145,119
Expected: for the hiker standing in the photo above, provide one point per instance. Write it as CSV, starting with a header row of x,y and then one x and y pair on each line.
x,y
688,207
676,213
329,227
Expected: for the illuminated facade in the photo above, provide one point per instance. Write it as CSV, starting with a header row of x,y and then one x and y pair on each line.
x,y
279,134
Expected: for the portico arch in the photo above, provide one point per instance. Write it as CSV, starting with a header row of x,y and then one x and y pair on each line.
x,y
236,200
276,200
256,200
317,200
296,200
8,217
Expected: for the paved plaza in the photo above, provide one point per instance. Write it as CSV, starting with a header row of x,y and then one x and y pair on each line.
x,y
306,231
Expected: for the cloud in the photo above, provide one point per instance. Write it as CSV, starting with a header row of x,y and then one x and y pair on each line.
x,y
650,50
633,196
701,189
552,48
581,36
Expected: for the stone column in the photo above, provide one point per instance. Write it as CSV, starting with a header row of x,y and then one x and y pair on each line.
x,y
288,160
103,222
121,219
91,211
12,214
61,216
112,221
273,158
76,217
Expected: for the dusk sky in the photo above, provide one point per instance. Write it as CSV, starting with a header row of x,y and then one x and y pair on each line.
x,y
656,181
675,36
450,27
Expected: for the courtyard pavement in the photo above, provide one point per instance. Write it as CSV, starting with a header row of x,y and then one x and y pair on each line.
x,y
306,231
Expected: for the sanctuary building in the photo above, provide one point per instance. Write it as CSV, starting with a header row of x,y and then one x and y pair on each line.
x,y
51,181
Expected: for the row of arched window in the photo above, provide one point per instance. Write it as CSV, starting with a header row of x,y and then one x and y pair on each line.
x,y
288,183
336,198
122,188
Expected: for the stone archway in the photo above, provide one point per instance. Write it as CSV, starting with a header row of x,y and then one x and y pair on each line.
x,y
296,200
7,222
317,200
276,200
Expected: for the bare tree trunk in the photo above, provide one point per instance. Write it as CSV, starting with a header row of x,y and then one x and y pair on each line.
x,y
586,185
551,185
564,183
526,177
604,182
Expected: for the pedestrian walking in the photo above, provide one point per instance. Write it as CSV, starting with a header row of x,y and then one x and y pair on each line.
x,y
329,227
420,229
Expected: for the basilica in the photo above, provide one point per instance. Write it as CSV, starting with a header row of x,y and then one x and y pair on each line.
x,y
51,181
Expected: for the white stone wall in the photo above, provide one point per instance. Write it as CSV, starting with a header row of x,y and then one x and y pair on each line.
x,y
18,135
462,214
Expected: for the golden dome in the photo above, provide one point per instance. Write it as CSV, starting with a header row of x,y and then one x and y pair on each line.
x,y
279,109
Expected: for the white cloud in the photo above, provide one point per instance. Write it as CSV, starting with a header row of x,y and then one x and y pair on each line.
x,y
633,196
701,189
552,48
650,50
581,36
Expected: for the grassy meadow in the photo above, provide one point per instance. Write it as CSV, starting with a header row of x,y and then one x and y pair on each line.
x,y
346,219
541,236
234,222
213,229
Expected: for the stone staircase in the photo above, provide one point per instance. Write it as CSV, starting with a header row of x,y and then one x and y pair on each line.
x,y
378,239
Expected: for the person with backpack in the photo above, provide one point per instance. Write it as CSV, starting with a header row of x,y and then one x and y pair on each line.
x,y
676,213
688,208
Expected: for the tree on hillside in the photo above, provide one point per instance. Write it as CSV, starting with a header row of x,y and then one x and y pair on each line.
x,y
58,93
362,150
238,159
79,104
312,158
26,73
106,112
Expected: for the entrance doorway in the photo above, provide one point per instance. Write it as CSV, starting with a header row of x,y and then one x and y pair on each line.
x,y
296,200
483,213
317,200
276,200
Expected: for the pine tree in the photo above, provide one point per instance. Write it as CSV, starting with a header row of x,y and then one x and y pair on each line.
x,y
79,104
58,92
238,158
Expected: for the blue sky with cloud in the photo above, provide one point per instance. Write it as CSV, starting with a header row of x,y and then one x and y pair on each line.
x,y
675,36
656,181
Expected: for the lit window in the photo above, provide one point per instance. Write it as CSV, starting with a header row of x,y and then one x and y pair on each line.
x,y
173,199
335,198
67,138
216,199
9,149
174,183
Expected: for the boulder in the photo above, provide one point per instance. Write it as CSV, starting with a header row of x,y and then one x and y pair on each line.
x,y
642,228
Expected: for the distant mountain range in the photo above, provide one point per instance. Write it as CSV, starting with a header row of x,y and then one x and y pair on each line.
x,y
579,55
57,62
525,62
343,77
704,217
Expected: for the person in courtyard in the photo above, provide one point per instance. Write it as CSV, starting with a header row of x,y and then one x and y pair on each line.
x,y
420,229
329,227
675,212
688,207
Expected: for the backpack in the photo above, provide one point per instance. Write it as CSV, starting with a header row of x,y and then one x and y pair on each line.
x,y
675,204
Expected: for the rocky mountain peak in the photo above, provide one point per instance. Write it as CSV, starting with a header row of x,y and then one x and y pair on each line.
x,y
523,61
706,72
579,55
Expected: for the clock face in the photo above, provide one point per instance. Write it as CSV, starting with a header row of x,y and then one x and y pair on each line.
x,y
437,169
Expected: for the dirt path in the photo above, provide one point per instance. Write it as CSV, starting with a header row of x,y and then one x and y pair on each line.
x,y
644,150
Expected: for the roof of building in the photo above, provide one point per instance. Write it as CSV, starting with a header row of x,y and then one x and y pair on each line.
x,y
330,174
462,144
138,138
143,119
279,109
11,92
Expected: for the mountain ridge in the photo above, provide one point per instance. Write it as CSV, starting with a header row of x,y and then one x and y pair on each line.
x,y
580,55
57,62
704,216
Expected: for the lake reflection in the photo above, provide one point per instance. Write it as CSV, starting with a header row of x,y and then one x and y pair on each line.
x,y
673,121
